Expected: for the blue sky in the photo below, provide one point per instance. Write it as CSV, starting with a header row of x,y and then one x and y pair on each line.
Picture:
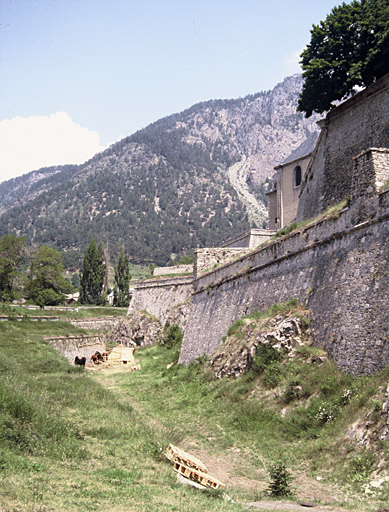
x,y
77,75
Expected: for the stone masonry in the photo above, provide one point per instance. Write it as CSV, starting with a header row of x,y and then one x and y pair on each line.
x,y
338,266
360,123
209,258
159,296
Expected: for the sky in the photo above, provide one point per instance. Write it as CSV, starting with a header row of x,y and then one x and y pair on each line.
x,y
78,75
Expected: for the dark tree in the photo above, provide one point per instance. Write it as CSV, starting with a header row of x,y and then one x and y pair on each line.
x,y
47,285
12,251
92,275
349,49
122,281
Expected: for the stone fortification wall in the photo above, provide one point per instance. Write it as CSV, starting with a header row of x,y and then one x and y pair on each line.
x,y
357,124
158,296
95,323
81,346
250,239
177,269
371,172
208,258
338,266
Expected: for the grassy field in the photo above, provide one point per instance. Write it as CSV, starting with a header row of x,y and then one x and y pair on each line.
x,y
78,440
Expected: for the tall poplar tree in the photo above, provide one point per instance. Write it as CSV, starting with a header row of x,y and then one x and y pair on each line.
x,y
122,278
92,275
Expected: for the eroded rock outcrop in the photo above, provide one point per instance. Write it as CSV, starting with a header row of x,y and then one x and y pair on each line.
x,y
138,330
235,356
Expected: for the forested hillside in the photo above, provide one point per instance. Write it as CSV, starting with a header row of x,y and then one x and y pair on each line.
x,y
191,179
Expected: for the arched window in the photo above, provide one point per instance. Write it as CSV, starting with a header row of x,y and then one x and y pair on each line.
x,y
297,176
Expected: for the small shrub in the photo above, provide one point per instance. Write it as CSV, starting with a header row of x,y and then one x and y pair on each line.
x,y
280,480
292,392
273,374
346,397
264,356
327,412
362,466
172,337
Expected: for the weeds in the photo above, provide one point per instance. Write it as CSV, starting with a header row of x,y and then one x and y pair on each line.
x,y
331,212
172,336
361,466
235,327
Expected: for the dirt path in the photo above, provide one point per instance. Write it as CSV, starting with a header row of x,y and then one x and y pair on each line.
x,y
234,467
284,506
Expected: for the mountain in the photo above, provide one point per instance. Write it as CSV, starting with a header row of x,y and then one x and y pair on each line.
x,y
18,191
191,179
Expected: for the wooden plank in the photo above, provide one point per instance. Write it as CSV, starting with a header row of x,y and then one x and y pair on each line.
x,y
204,479
176,454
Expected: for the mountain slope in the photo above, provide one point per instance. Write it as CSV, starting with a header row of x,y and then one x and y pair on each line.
x,y
193,178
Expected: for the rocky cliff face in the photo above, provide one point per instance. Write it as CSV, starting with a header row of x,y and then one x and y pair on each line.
x,y
191,179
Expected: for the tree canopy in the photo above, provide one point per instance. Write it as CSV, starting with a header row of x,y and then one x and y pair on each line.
x,y
47,283
92,275
122,281
348,50
12,251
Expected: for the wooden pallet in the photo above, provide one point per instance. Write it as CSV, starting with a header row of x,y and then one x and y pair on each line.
x,y
177,455
188,466
204,479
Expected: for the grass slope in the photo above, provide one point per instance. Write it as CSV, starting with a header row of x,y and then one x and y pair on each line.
x,y
71,440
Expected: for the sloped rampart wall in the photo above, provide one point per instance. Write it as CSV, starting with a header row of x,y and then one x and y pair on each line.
x,y
338,266
159,296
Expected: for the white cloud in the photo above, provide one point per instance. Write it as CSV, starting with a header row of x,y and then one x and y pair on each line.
x,y
29,143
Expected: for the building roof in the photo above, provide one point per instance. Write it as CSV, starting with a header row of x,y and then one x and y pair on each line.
x,y
304,149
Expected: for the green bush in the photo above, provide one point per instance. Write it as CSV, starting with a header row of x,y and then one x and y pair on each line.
x,y
327,413
234,328
49,297
292,392
273,374
264,357
280,480
172,337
